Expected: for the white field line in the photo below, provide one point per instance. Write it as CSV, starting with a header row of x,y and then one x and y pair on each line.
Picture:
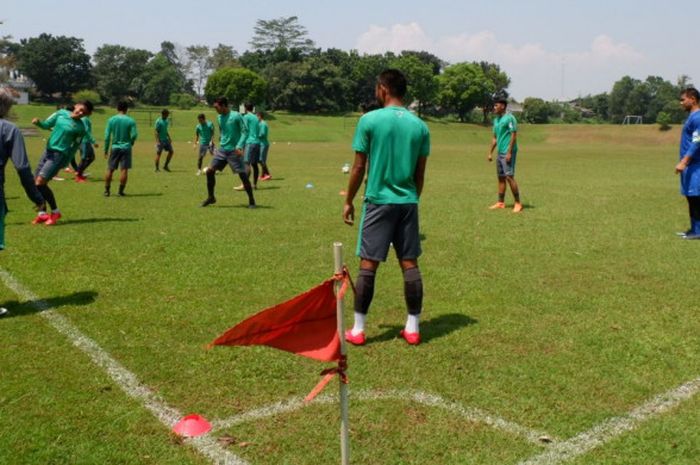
x,y
125,379
610,429
472,415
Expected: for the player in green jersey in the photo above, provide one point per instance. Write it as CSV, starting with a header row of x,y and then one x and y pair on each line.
x,y
264,146
163,140
505,138
203,139
121,134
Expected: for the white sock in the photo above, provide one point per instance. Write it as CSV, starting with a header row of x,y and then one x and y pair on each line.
x,y
42,212
56,211
359,323
412,323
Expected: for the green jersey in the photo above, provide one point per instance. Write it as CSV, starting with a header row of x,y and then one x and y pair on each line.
x,y
503,129
66,133
121,132
253,124
162,129
262,135
88,130
205,132
393,139
232,131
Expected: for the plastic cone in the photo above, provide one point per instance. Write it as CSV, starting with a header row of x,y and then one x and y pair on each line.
x,y
192,425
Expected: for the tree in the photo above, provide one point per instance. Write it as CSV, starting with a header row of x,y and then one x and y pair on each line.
x,y
462,87
280,33
536,111
55,64
118,70
8,55
435,63
223,56
422,84
500,81
618,98
160,80
177,56
238,85
200,60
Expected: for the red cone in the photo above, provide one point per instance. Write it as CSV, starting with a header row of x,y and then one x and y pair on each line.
x,y
192,426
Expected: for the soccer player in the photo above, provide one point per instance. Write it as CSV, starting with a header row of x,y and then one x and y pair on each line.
x,y
12,148
251,151
505,137
689,165
395,144
163,140
67,132
87,151
204,139
264,146
121,133
232,136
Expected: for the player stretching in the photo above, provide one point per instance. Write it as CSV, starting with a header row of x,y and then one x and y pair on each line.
x,y
203,139
121,133
395,144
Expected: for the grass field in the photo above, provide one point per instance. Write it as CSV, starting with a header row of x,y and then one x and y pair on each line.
x,y
578,310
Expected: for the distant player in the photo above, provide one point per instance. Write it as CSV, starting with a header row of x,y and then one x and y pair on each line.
x,y
395,144
67,132
121,134
232,136
505,137
251,152
203,139
163,140
12,148
689,165
263,135
87,151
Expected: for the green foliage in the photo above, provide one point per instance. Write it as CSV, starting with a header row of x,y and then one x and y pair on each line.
x,y
238,85
664,120
200,65
284,33
183,101
223,56
160,80
86,94
119,72
536,110
422,83
463,86
56,64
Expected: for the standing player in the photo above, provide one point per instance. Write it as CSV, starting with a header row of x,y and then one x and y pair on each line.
x,y
264,146
67,131
12,148
163,140
87,151
232,136
121,133
689,165
251,152
505,135
203,139
395,144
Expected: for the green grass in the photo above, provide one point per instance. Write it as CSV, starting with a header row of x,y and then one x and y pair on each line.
x,y
556,319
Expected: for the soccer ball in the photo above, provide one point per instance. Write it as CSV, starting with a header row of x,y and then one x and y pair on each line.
x,y
346,168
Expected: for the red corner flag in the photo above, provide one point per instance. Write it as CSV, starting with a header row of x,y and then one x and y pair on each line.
x,y
305,325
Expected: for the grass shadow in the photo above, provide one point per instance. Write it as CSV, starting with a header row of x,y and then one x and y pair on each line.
x,y
245,207
431,329
267,188
145,194
99,220
16,309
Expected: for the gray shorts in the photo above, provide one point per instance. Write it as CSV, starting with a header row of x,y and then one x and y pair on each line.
x,y
119,158
504,169
263,153
227,157
383,225
203,149
167,146
49,165
251,154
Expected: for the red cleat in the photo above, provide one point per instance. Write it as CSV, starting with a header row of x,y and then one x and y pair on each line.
x,y
358,340
80,179
265,177
413,339
41,218
53,219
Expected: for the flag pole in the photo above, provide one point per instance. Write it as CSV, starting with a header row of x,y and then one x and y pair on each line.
x,y
344,428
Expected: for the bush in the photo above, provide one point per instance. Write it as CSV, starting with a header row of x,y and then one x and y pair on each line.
x,y
664,120
183,101
86,94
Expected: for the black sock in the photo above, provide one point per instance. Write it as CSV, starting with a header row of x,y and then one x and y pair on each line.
x,y
157,166
121,189
211,182
364,290
199,163
248,188
47,193
516,196
107,187
413,290
501,197
256,173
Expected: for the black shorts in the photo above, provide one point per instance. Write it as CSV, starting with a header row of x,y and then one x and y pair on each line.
x,y
383,225
227,157
251,154
119,158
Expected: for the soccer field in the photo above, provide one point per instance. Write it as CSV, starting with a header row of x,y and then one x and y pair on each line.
x,y
574,320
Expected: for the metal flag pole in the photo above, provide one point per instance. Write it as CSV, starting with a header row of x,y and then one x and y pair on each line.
x,y
344,428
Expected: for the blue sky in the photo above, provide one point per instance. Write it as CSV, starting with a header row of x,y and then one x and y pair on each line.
x,y
550,49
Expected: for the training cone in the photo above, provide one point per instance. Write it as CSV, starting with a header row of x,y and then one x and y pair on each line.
x,y
192,425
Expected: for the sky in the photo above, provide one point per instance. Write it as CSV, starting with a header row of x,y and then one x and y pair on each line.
x,y
553,50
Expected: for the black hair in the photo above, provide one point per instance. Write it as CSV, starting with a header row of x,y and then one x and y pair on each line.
x,y
122,106
201,116
221,101
370,106
260,114
500,96
88,106
248,106
691,92
165,112
394,81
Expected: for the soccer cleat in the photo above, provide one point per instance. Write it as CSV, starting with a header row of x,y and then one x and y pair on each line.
x,y
208,201
497,205
358,340
692,236
518,207
265,177
412,339
157,170
53,219
239,188
252,206
165,168
41,218
80,179
122,194
684,233
199,172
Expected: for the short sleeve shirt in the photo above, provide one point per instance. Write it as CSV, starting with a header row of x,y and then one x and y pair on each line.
x,y
503,128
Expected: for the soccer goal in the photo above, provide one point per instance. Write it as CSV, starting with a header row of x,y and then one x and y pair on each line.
x,y
633,119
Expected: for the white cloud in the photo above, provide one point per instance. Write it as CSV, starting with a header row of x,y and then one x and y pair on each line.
x,y
395,39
